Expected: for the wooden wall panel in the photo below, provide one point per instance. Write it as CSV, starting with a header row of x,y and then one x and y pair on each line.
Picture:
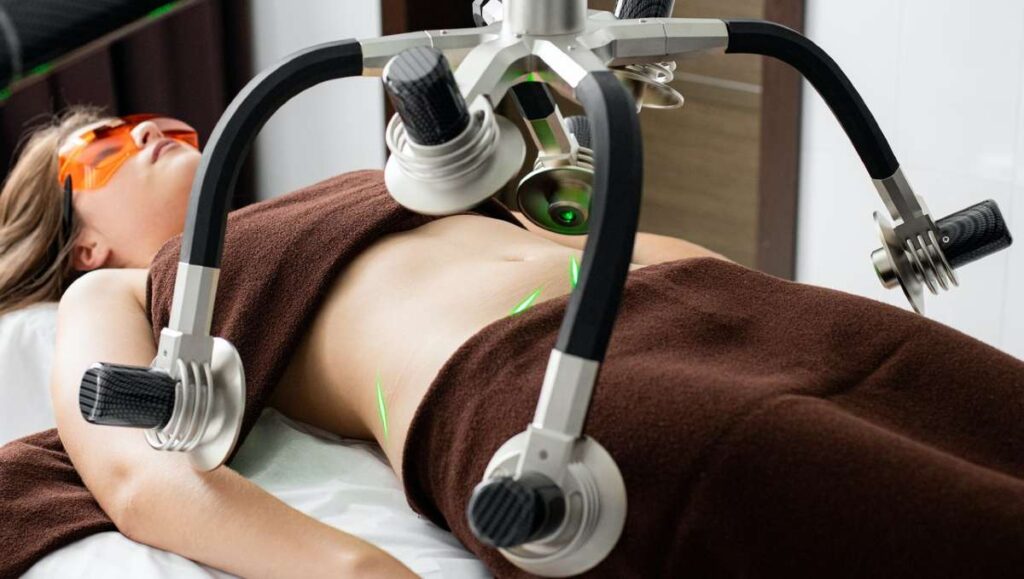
x,y
702,161
90,81
701,171
780,153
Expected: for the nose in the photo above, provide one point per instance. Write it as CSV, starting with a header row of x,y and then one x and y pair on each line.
x,y
145,132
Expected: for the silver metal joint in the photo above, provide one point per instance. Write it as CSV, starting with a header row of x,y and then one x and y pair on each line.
x,y
545,17
209,404
194,290
564,396
192,405
911,255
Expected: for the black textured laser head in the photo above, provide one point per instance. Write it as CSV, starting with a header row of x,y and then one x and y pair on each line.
x,y
629,9
422,88
117,395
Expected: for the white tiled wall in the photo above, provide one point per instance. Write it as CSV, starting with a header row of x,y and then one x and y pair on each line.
x,y
945,79
332,128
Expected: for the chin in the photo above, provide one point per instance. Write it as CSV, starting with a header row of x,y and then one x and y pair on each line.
x,y
178,169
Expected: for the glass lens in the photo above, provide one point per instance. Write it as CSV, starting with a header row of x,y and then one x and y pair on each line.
x,y
104,149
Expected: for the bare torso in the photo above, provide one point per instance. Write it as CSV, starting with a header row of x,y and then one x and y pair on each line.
x,y
401,309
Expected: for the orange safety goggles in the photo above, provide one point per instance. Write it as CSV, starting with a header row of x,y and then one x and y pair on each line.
x,y
92,157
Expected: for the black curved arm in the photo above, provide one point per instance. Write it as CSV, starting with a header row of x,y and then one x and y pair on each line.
x,y
791,47
203,241
615,211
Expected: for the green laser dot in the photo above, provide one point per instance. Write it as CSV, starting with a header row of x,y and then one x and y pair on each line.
x,y
526,303
381,409
567,216
5,94
574,271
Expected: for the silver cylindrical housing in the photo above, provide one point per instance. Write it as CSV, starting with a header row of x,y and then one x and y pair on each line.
x,y
545,17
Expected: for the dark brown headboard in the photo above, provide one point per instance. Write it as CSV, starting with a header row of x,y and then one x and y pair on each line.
x,y
187,63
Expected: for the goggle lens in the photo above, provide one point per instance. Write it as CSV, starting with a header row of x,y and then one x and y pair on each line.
x,y
92,158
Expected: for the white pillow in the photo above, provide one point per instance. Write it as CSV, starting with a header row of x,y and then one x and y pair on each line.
x,y
27,342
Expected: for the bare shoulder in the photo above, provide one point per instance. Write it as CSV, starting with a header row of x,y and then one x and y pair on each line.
x,y
106,284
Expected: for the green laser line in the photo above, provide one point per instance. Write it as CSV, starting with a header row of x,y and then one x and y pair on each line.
x,y
5,94
526,303
381,408
41,69
161,10
574,271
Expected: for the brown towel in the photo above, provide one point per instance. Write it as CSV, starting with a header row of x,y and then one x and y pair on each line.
x,y
280,258
764,429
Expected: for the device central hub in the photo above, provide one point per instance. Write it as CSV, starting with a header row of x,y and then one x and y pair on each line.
x,y
545,17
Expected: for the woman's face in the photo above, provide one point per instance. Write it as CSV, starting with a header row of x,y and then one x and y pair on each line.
x,y
127,220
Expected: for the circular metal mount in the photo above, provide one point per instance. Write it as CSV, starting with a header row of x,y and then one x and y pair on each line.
x,y
548,188
595,510
229,403
648,84
227,406
893,266
445,196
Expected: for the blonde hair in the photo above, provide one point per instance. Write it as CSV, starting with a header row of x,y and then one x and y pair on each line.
x,y
31,212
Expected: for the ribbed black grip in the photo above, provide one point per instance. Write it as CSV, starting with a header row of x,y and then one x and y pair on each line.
x,y
627,9
973,233
579,125
422,88
114,395
504,512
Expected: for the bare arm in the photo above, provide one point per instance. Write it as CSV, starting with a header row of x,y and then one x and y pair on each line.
x,y
218,518
648,248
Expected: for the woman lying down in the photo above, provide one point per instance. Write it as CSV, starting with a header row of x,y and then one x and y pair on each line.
x,y
762,427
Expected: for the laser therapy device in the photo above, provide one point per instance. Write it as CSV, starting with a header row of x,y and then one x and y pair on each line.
x,y
552,499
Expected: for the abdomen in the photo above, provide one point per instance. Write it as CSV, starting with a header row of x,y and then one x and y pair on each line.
x,y
399,311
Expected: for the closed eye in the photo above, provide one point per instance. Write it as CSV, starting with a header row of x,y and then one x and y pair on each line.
x,y
99,158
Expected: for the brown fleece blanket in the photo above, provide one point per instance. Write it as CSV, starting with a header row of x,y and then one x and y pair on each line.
x,y
763,428
280,258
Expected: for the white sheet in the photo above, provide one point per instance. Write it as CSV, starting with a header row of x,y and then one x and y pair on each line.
x,y
344,483
26,353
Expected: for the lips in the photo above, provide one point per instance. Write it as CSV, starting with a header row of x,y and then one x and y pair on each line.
x,y
159,147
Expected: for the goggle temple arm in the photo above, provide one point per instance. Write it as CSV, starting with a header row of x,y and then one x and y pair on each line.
x,y
68,211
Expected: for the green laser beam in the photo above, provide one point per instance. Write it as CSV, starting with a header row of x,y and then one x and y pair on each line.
x,y
526,303
41,69
574,271
161,10
381,409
